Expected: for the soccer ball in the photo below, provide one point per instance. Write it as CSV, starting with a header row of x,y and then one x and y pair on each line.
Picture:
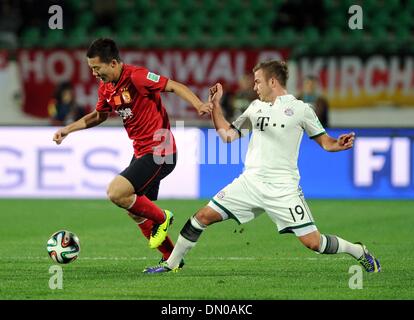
x,y
63,246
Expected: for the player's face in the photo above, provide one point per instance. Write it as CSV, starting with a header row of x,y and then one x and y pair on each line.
x,y
102,71
262,86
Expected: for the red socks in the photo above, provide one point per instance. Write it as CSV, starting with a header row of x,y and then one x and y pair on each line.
x,y
144,207
166,247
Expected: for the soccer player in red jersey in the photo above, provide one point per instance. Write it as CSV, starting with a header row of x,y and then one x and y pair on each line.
x,y
133,92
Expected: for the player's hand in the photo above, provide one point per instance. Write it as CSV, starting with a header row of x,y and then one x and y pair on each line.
x,y
215,93
60,135
346,141
205,108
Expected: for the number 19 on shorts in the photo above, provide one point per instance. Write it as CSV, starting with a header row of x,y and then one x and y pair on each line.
x,y
297,213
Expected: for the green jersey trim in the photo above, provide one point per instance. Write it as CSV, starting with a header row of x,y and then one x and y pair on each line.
x,y
317,135
289,229
232,216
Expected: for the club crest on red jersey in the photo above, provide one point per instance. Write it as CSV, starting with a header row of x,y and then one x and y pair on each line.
x,y
125,95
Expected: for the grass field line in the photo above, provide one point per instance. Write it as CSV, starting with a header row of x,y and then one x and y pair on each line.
x,y
195,258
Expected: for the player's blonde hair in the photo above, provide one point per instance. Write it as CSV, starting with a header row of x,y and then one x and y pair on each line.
x,y
274,68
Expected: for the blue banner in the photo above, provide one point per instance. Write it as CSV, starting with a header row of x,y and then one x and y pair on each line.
x,y
380,166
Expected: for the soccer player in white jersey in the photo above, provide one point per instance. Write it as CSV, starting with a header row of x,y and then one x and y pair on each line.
x,y
270,181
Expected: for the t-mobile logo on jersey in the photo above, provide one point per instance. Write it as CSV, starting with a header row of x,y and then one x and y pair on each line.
x,y
262,122
125,113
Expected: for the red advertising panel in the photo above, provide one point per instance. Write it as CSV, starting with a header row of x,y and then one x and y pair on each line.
x,y
42,70
3,59
355,82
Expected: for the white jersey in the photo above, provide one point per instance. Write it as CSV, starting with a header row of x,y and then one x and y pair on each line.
x,y
277,130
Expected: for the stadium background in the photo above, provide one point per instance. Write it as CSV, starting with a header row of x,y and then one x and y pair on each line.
x,y
366,75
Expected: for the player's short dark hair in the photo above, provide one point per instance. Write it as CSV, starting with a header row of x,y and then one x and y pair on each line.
x,y
274,68
105,49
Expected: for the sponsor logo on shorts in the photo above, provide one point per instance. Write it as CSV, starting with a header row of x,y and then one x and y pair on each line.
x,y
221,194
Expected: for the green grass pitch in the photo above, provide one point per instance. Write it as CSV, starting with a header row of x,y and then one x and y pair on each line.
x,y
250,261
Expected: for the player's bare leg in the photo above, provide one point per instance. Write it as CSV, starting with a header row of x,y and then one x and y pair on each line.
x,y
207,216
329,244
121,192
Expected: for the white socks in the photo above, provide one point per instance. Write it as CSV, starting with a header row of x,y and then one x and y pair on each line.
x,y
332,244
191,230
180,250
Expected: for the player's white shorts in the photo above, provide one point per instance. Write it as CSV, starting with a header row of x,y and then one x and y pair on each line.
x,y
246,198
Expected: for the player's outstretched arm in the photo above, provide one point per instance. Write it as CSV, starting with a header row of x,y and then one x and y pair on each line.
x,y
88,121
344,142
185,93
223,127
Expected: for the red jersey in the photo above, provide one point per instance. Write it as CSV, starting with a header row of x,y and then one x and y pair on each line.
x,y
136,99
